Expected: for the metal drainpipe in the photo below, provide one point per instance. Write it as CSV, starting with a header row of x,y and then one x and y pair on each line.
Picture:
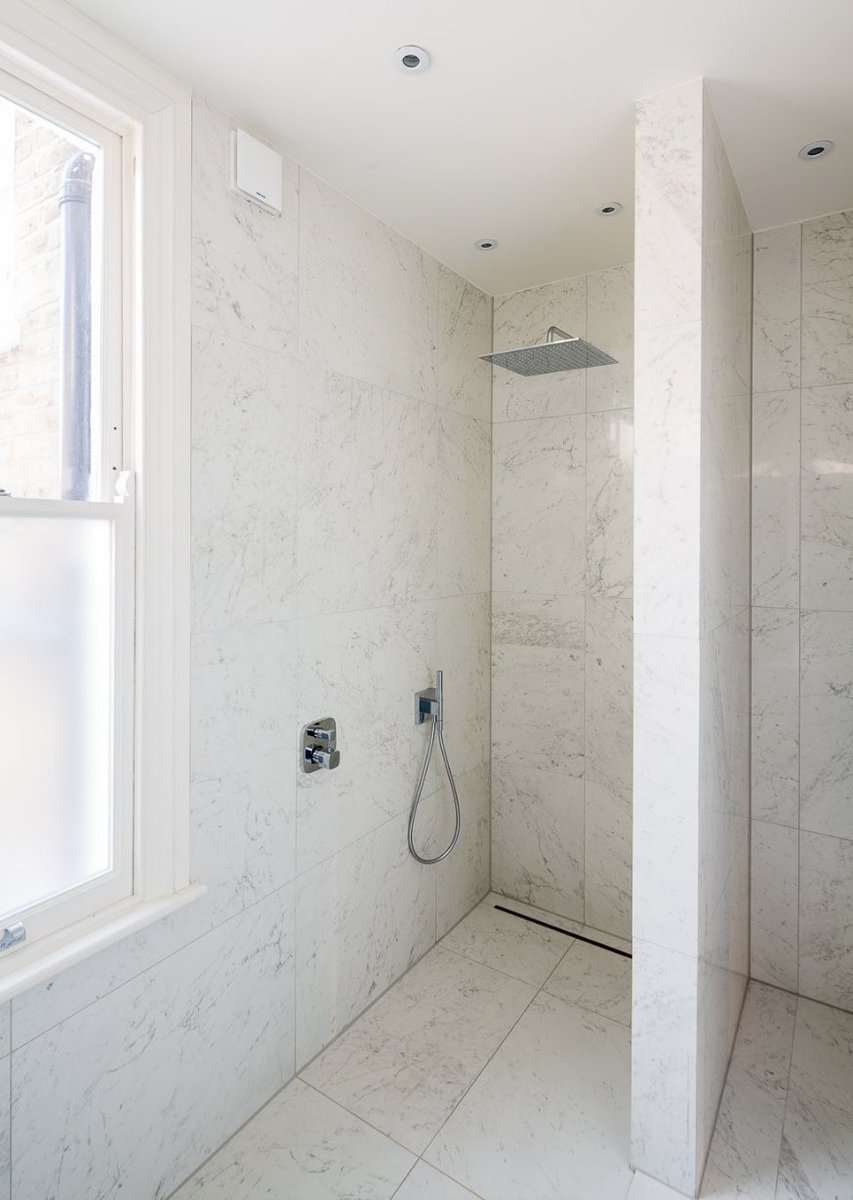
x,y
75,206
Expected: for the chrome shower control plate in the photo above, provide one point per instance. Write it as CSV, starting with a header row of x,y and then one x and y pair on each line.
x,y
318,746
426,705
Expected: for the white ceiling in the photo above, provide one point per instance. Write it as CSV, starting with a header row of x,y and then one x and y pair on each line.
x,y
524,122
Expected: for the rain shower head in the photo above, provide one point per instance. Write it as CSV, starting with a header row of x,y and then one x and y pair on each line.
x,y
559,352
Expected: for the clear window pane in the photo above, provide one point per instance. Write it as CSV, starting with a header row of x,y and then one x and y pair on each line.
x,y
51,204
55,705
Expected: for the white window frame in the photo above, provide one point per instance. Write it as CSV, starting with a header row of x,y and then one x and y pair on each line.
x,y
55,49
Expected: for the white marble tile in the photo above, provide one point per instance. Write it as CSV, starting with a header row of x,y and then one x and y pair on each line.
x,y
537,837
594,979
464,333
505,943
463,653
774,908
5,1129
367,526
425,1183
666,782
817,1151
776,715
462,494
538,707
609,503
302,1144
610,326
190,1049
242,703
776,313
822,1062
668,207
521,619
664,1065
245,260
348,662
826,722
364,917
828,248
776,499
608,765
523,319
826,914
765,1037
463,879
608,858
643,1187
725,506
827,333
246,402
538,482
5,1028
667,478
368,297
548,1117
744,1154
407,1062
827,497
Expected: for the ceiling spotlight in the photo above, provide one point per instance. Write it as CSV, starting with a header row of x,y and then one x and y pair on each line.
x,y
412,58
610,209
486,244
817,149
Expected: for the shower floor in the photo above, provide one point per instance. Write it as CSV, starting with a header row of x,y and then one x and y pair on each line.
x,y
499,1068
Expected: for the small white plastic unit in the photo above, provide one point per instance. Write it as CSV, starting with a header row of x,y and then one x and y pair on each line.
x,y
256,171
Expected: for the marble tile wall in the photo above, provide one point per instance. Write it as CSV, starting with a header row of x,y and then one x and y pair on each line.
x,y
562,518
802,535
692,630
341,466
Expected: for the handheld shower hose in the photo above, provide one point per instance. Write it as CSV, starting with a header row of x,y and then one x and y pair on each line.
x,y
437,714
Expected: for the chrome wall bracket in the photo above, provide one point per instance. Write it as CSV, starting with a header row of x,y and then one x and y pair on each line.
x,y
318,746
12,935
426,705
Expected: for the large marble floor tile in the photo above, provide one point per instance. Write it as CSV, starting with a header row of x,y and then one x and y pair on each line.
x,y
822,1063
302,1145
817,1152
595,979
425,1183
570,926
744,1154
507,944
405,1064
765,1037
549,1115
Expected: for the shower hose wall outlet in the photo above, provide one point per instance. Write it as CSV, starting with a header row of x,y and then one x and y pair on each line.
x,y
429,706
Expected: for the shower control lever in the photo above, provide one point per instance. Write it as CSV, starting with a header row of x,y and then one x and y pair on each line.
x,y
318,746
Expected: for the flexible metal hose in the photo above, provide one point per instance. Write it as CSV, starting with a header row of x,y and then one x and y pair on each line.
x,y
437,729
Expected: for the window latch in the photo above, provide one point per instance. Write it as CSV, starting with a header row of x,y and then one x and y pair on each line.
x,y
12,935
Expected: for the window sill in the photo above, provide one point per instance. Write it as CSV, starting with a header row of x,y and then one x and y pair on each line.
x,y
23,968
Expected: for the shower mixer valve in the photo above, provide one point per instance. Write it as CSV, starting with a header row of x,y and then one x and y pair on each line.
x,y
318,746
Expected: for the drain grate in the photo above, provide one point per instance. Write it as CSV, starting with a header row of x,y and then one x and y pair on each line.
x,y
579,937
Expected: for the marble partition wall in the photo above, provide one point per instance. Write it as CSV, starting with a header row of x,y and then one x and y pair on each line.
x,y
691,645
802,595
561,608
340,522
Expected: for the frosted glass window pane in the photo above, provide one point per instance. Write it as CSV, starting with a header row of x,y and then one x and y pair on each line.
x,y
55,705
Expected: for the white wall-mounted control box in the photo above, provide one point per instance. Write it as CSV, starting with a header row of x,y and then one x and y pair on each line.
x,y
256,171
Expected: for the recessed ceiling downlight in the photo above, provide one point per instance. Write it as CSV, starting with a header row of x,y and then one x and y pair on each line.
x,y
817,149
486,244
412,58
610,209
